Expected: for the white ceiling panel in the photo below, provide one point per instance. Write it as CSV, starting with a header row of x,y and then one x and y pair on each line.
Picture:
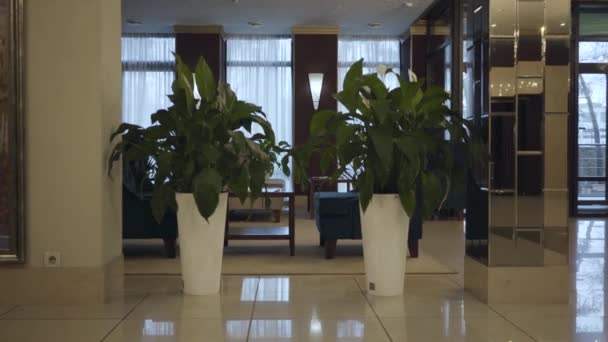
x,y
277,16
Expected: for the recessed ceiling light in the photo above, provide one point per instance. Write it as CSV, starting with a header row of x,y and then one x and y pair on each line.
x,y
562,24
134,22
375,24
255,23
493,25
409,4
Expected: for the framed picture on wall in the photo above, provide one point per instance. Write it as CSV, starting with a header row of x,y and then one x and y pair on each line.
x,y
12,249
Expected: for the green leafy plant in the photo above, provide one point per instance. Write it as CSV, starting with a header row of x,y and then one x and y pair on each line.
x,y
200,146
389,140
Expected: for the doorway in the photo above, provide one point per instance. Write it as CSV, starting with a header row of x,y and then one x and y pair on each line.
x,y
590,102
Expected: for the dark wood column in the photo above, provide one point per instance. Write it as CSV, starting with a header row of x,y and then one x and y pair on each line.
x,y
315,51
406,54
191,42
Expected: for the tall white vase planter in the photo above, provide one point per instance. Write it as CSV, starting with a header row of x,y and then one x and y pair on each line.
x,y
385,228
201,245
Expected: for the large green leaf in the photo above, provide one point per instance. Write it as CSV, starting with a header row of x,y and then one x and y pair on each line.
x,y
410,147
123,128
240,184
365,185
382,141
376,85
156,132
381,109
162,197
164,118
206,188
345,133
348,98
431,186
257,179
242,110
411,95
407,197
320,119
204,80
266,127
327,159
353,76
183,86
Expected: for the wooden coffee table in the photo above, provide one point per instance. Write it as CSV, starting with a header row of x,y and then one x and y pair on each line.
x,y
267,232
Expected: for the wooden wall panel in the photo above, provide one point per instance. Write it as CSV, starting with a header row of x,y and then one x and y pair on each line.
x,y
190,46
313,53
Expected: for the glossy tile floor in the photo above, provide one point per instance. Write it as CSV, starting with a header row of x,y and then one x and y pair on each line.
x,y
332,308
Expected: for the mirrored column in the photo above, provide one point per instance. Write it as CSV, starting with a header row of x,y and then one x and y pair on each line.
x,y
526,126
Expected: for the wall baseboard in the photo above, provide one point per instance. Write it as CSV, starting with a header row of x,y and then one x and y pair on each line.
x,y
82,285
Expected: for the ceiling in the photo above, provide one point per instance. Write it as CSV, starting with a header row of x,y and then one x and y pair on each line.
x,y
277,16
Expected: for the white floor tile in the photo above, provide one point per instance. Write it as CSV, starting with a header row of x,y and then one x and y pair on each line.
x,y
453,329
116,309
55,330
317,330
184,330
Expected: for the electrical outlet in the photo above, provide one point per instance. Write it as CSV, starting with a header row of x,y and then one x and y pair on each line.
x,y
52,259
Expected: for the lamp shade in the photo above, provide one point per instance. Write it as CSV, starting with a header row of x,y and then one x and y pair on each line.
x,y
316,84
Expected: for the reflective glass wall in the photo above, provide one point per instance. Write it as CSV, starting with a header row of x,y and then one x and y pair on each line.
x,y
515,86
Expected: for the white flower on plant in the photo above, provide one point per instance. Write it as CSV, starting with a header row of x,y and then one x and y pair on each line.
x,y
412,75
381,70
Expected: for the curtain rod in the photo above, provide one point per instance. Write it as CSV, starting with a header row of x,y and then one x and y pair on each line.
x,y
245,36
150,35
370,37
278,36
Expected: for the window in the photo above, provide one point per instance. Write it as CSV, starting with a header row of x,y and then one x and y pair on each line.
x,y
375,51
147,65
258,69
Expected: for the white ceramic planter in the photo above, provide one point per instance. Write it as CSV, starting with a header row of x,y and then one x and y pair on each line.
x,y
201,245
385,228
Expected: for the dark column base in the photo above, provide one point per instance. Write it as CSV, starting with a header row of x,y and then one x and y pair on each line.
x,y
170,247
321,242
412,245
330,248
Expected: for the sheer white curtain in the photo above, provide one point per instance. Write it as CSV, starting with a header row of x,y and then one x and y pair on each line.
x,y
147,76
259,71
374,50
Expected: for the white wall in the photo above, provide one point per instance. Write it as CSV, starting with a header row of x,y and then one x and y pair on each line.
x,y
73,101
